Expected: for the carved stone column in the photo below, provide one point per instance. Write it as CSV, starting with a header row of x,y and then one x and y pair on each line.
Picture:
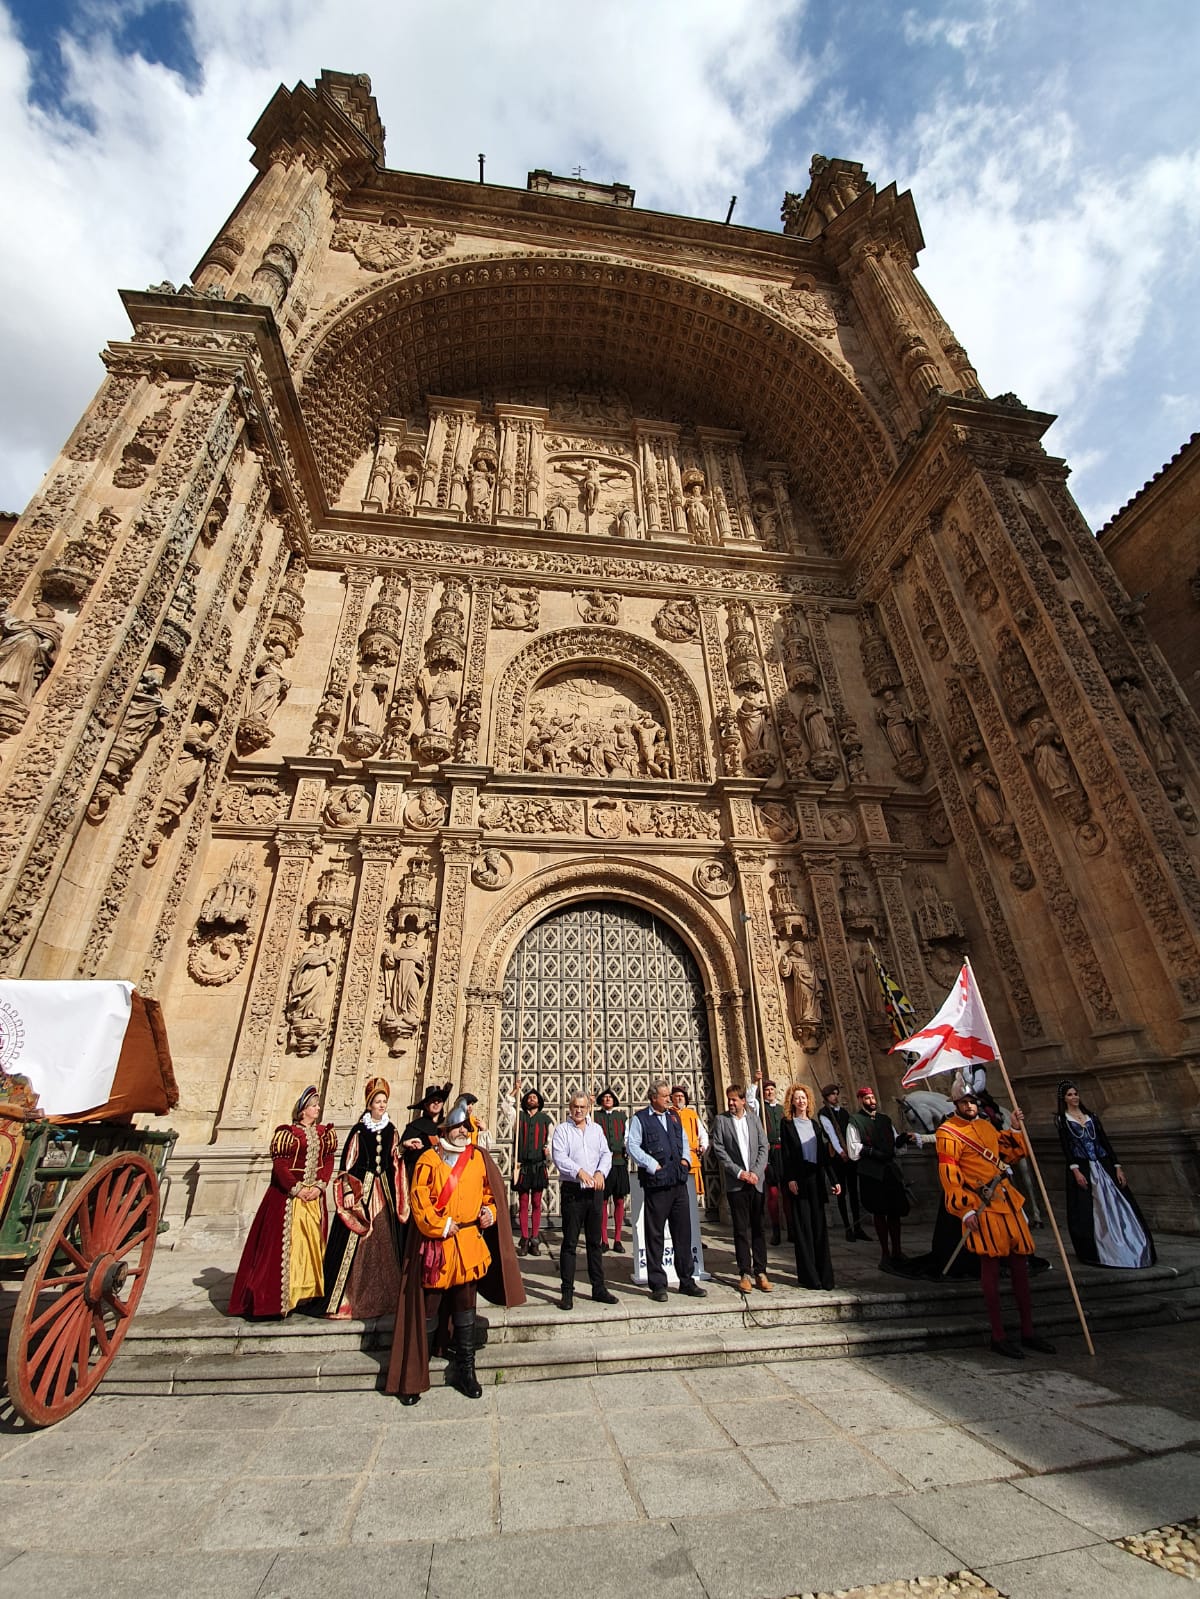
x,y
480,1032
442,1059
768,1024
846,1020
248,1082
888,873
328,721
395,743
351,1038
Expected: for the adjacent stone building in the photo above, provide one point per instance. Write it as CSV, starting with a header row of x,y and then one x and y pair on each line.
x,y
511,636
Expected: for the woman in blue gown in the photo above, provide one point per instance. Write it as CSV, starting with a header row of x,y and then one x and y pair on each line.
x,y
1107,1228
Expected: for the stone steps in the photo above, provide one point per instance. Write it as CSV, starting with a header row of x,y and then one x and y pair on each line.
x,y
211,1353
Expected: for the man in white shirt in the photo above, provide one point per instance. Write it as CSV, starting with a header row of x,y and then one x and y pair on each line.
x,y
740,1145
580,1151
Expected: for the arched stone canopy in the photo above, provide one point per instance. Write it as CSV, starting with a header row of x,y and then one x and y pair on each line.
x,y
679,347
594,877
580,647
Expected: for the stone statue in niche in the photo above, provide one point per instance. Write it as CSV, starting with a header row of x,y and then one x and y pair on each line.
x,y
1053,769
677,620
143,714
803,988
268,690
818,732
698,516
439,691
515,608
991,809
367,714
1149,727
481,488
405,970
760,752
308,994
347,807
180,787
902,730
27,652
492,870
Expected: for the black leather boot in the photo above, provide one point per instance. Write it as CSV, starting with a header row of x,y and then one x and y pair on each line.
x,y
461,1372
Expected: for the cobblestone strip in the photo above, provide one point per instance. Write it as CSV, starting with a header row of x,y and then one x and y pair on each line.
x,y
1175,1548
954,1582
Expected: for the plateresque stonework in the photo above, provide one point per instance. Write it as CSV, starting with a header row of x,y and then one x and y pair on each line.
x,y
478,633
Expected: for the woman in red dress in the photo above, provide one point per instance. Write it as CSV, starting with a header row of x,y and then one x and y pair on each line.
x,y
281,1265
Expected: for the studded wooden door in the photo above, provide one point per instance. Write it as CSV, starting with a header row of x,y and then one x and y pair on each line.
x,y
601,994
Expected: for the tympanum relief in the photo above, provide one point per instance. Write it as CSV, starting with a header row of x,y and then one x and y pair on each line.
x,y
598,724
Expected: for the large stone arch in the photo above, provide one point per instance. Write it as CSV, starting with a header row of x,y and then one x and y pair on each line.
x,y
593,877
685,347
581,646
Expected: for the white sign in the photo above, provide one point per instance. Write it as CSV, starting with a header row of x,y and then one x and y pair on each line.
x,y
639,1239
66,1038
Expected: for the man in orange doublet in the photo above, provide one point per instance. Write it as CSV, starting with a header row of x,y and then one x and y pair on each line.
x,y
455,1195
975,1164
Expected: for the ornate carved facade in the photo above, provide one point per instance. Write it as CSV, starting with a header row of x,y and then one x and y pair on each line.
x,y
461,607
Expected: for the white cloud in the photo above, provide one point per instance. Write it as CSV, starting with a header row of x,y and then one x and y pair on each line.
x,y
679,98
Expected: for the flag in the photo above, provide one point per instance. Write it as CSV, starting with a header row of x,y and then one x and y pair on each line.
x,y
900,1009
959,1035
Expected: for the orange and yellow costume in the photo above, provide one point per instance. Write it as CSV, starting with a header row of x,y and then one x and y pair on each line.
x,y
465,1255
970,1154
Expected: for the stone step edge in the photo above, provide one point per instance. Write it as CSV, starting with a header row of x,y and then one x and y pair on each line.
x,y
281,1373
835,1309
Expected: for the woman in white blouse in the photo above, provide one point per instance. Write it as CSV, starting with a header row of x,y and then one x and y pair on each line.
x,y
807,1180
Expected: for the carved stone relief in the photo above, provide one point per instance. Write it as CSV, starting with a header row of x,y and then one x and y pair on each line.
x,y
492,870
222,937
27,653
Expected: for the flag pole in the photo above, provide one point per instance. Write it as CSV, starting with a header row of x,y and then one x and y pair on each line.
x,y
1037,1172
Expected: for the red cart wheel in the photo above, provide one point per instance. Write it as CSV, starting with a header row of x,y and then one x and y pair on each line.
x,y
81,1292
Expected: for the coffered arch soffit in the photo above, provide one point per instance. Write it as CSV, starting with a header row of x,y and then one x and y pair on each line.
x,y
679,346
580,647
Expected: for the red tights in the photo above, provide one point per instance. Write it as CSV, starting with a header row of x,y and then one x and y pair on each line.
x,y
989,1277
618,1206
523,1213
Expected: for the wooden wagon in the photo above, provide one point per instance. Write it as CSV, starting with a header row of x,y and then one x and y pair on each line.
x,y
80,1212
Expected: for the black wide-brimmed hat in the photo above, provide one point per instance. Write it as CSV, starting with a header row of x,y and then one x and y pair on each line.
x,y
612,1094
541,1103
437,1092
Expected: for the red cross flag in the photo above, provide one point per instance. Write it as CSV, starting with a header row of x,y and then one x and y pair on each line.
x,y
959,1035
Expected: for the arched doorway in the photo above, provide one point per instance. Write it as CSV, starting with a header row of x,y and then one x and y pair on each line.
x,y
602,992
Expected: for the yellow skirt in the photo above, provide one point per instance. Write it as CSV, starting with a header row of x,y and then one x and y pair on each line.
x,y
306,1272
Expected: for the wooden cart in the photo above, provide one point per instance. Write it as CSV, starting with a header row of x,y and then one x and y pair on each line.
x,y
80,1212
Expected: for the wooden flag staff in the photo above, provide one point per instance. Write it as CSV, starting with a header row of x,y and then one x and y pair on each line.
x,y
1037,1171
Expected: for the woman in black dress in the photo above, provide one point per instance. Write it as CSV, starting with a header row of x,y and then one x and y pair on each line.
x,y
1107,1228
807,1179
362,1257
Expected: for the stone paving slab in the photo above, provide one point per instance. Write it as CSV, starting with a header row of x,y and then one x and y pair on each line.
x,y
1098,1572
752,1482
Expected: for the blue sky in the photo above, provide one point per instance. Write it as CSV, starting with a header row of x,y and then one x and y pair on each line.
x,y
1052,147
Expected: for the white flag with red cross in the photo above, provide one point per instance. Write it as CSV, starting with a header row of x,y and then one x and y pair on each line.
x,y
959,1035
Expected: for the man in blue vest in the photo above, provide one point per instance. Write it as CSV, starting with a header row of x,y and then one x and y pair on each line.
x,y
657,1145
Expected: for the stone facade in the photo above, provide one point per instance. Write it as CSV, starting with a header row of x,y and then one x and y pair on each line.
x,y
445,557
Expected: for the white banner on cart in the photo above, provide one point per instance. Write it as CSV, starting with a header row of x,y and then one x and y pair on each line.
x,y
66,1038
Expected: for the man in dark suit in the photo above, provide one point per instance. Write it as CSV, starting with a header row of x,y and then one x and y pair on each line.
x,y
740,1145
657,1146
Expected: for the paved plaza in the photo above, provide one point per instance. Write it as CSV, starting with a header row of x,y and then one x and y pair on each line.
x,y
754,1482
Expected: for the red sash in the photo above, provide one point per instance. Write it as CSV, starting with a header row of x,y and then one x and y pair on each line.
x,y
460,1166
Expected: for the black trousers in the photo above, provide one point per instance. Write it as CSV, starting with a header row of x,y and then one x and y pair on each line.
x,y
846,1173
668,1207
580,1213
747,1205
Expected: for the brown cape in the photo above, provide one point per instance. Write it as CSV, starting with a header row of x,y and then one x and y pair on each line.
x,y
501,1284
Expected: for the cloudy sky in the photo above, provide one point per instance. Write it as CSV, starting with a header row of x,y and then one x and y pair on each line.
x,y
1052,147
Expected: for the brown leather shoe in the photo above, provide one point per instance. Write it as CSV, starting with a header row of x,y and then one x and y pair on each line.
x,y
761,1282
744,1285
